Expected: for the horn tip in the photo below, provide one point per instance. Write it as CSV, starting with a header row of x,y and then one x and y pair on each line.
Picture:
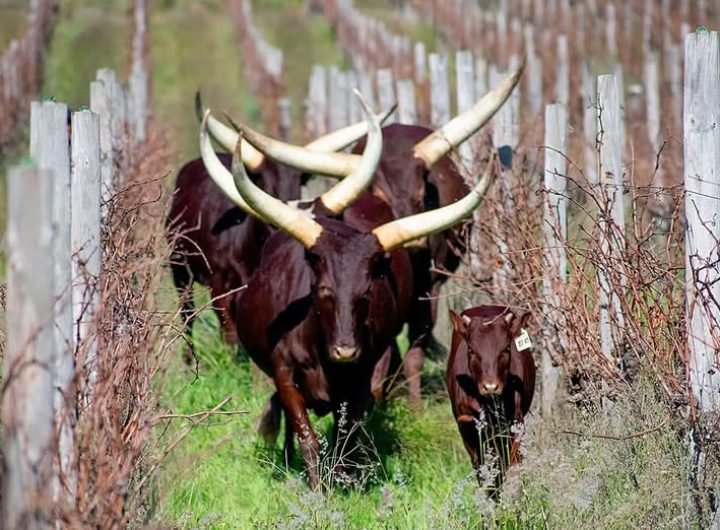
x,y
198,105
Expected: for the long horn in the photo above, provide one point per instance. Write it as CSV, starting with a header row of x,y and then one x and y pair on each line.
x,y
461,127
217,171
334,141
396,233
307,161
291,221
339,197
342,138
225,136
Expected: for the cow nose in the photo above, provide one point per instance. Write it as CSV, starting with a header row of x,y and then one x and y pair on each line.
x,y
344,353
491,389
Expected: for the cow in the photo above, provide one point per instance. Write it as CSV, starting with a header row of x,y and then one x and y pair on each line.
x,y
416,173
329,296
490,380
214,242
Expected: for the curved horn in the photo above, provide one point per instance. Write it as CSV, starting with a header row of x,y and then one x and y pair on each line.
x,y
226,137
217,171
320,163
269,209
337,198
461,127
342,138
396,233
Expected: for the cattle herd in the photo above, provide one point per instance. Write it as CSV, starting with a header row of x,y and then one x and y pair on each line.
x,y
316,291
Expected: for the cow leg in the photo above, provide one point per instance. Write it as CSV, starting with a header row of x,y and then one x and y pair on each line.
x,y
515,456
288,446
184,285
224,314
297,417
412,369
269,424
385,372
471,441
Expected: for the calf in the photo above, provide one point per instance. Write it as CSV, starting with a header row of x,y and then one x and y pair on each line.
x,y
491,380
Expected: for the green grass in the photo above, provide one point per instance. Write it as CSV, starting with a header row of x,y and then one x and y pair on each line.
x,y
13,20
420,475
305,40
88,36
193,48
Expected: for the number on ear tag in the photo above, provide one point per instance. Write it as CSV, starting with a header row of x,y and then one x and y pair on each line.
x,y
522,341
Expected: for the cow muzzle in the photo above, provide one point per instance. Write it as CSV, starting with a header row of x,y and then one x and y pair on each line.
x,y
490,388
344,354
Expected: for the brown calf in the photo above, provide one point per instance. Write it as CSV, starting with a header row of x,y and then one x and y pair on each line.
x,y
490,379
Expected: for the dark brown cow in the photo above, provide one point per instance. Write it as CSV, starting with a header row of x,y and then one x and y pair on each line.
x,y
416,173
491,380
326,302
215,243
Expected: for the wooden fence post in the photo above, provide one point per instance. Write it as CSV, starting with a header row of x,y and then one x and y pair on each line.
x,y
50,148
505,140
100,105
652,100
611,220
407,109
465,86
589,98
86,236
338,99
317,101
562,90
702,204
439,90
702,255
554,238
386,92
27,368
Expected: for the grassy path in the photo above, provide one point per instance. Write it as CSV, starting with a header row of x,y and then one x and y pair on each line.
x,y
193,47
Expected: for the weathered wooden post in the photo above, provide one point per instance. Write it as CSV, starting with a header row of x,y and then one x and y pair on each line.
x,y
702,254
285,112
702,203
505,140
386,92
338,99
316,106
465,87
562,90
85,237
611,31
100,105
49,147
439,90
611,221
589,98
554,238
28,411
407,110
652,100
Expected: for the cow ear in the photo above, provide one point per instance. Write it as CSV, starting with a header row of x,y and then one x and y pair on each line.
x,y
459,322
518,322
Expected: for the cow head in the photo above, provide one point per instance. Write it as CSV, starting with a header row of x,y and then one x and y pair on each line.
x,y
349,268
490,343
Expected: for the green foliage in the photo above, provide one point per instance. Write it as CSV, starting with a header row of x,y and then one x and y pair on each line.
x,y
194,48
85,39
415,473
